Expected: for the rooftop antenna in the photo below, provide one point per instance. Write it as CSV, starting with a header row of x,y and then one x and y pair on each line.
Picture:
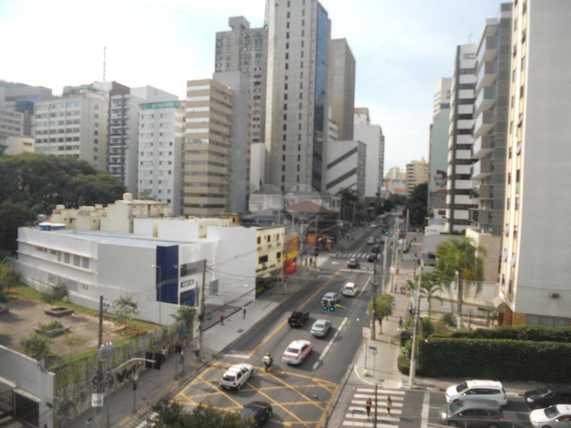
x,y
104,62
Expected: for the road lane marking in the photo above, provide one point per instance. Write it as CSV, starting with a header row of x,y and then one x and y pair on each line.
x,y
240,356
330,344
425,411
277,403
364,287
301,393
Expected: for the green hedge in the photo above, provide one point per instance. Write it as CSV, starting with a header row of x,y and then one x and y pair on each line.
x,y
535,334
496,359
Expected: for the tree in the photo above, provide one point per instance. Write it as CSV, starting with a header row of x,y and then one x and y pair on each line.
x,y
172,415
429,287
459,260
381,307
417,205
13,215
185,314
125,308
36,346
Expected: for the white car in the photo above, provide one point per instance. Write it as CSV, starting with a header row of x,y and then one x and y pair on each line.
x,y
556,416
349,289
484,389
236,376
297,352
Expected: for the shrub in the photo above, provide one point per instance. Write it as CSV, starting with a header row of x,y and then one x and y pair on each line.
x,y
449,320
497,359
52,325
403,364
36,346
427,327
535,334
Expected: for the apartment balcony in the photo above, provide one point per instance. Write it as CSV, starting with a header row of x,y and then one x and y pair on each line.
x,y
487,74
489,50
486,99
483,146
480,171
484,123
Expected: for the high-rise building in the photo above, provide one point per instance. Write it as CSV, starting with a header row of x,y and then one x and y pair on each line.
x,y
535,280
207,148
74,125
491,122
258,158
11,123
160,137
372,136
416,173
297,105
332,129
341,87
345,166
438,149
459,196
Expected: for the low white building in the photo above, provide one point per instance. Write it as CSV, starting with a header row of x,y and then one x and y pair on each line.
x,y
16,145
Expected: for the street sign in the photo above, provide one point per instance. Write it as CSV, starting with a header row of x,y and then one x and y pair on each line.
x,y
365,332
373,349
96,400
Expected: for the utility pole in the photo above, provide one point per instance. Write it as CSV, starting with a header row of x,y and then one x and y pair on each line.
x,y
201,304
376,405
99,375
374,316
385,261
412,370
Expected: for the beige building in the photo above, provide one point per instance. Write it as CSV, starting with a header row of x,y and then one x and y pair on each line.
x,y
270,251
416,173
207,148
16,145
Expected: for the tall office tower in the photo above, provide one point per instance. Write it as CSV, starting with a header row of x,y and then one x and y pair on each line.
x,y
346,165
416,173
207,148
297,105
491,122
341,87
123,150
438,148
160,136
74,125
238,82
459,200
372,136
535,280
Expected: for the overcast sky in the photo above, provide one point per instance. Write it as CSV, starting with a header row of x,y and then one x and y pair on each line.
x,y
402,47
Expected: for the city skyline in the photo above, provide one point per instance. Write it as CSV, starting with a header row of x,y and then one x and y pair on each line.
x,y
182,44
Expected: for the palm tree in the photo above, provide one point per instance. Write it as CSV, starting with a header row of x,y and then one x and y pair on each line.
x,y
429,288
460,260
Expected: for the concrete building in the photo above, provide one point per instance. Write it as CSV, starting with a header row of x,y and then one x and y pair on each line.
x,y
535,278
11,124
459,196
74,126
160,137
491,122
341,86
207,148
396,173
297,104
11,146
332,129
346,167
438,149
238,82
20,97
372,136
270,247
258,157
416,173
245,49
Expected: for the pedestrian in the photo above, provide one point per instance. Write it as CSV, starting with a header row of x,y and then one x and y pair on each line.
x,y
400,322
244,312
389,404
221,319
368,407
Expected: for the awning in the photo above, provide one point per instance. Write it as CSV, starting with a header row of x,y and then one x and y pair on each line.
x,y
7,382
27,394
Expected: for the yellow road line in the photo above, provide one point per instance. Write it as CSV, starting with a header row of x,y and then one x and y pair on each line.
x,y
312,378
328,408
278,404
301,393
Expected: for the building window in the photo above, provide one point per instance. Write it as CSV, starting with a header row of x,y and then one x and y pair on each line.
x,y
262,259
259,240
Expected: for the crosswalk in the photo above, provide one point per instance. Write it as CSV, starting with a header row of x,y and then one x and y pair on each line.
x,y
356,414
359,255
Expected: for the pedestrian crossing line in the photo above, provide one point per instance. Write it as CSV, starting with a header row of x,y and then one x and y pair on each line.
x,y
379,396
380,408
367,424
380,417
383,403
381,391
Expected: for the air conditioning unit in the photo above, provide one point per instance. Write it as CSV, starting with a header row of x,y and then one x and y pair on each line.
x,y
554,295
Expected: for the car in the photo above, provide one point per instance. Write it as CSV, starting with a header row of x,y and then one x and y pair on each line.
x,y
353,263
298,319
257,413
330,298
296,352
474,389
371,241
376,249
556,416
349,289
547,396
472,413
320,328
372,258
373,226
236,376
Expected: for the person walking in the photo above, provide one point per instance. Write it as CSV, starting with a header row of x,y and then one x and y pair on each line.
x,y
389,404
368,407
244,312
221,319
400,323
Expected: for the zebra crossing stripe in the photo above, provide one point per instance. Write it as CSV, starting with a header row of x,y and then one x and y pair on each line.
x,y
380,417
367,424
381,391
379,402
380,409
379,396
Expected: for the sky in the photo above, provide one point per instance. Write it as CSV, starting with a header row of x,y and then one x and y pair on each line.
x,y
401,48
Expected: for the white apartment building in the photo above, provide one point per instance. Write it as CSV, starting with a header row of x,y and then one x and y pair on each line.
x,y
160,137
441,98
345,167
11,124
297,103
459,197
258,158
372,136
535,279
74,126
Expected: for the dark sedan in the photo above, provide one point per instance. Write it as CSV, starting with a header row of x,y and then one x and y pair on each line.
x,y
547,396
257,412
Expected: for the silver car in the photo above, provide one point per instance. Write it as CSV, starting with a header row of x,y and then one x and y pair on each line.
x,y
320,328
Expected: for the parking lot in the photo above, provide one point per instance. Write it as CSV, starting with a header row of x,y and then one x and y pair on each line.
x,y
298,400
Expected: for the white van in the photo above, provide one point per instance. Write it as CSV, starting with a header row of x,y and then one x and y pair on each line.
x,y
349,289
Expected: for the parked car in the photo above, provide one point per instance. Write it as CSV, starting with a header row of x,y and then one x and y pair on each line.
x,y
236,376
376,249
297,352
371,241
257,413
372,258
320,328
298,319
556,416
330,298
353,263
474,389
547,396
349,289
472,413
